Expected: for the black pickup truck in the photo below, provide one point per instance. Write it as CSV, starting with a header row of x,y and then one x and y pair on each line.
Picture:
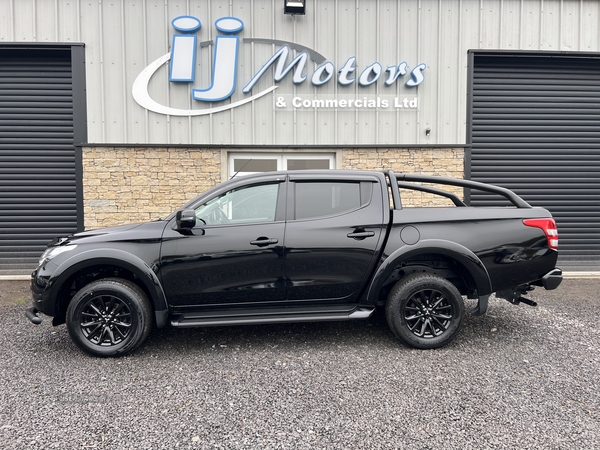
x,y
298,246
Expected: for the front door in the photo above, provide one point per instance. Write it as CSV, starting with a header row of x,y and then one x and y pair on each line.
x,y
233,255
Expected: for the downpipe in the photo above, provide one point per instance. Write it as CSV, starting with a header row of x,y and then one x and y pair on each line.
x,y
526,301
515,295
31,314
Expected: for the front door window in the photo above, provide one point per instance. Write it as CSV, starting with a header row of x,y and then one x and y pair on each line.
x,y
247,205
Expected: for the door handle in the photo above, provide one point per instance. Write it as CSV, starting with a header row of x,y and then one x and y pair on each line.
x,y
264,241
360,234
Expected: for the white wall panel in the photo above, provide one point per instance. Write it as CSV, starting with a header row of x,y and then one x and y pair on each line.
x,y
92,36
180,93
6,21
46,21
589,25
157,42
324,41
449,61
551,30
468,38
304,121
24,21
115,93
531,25
123,37
386,121
242,118
429,51
510,25
346,40
489,23
68,23
201,127
367,44
134,60
570,25
409,51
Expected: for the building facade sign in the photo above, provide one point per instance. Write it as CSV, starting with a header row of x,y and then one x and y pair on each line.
x,y
182,63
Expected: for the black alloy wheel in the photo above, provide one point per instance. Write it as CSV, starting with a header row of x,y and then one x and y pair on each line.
x,y
428,313
425,311
106,320
109,317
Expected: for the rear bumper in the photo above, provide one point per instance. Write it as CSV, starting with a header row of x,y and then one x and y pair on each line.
x,y
552,279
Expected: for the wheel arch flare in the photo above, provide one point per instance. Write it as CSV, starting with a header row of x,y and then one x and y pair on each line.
x,y
464,257
100,260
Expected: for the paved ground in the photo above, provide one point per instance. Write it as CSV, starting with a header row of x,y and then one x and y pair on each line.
x,y
519,378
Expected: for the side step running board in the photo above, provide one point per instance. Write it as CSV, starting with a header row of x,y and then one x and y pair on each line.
x,y
214,319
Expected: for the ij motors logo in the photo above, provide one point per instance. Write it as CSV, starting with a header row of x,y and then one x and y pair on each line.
x,y
182,69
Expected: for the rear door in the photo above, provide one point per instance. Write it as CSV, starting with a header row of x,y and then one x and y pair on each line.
x,y
333,232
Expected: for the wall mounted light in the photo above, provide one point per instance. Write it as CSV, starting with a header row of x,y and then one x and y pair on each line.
x,y
294,7
427,131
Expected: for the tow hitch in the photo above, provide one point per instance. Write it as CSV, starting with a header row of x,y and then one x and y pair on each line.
x,y
515,295
31,314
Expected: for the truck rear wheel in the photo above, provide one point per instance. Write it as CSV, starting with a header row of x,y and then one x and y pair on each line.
x,y
424,311
109,317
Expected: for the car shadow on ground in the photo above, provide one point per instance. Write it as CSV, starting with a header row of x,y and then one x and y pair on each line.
x,y
502,322
323,336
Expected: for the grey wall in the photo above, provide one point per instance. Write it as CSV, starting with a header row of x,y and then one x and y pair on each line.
x,y
122,38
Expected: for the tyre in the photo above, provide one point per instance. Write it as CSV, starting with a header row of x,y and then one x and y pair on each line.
x,y
424,311
109,317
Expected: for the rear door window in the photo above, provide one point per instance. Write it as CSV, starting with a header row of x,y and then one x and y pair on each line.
x,y
321,199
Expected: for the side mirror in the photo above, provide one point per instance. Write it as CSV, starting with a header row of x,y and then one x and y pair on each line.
x,y
186,219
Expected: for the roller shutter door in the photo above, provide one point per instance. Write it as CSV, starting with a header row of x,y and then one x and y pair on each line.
x,y
38,187
535,129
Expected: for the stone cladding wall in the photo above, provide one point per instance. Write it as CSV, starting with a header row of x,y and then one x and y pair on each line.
x,y
442,162
129,185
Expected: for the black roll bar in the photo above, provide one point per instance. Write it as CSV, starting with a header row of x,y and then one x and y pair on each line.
x,y
395,185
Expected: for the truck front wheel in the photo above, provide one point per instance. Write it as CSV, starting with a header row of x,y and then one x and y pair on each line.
x,y
424,311
109,317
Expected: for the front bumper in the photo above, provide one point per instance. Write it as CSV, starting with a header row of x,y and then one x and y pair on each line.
x,y
37,299
38,289
552,279
40,301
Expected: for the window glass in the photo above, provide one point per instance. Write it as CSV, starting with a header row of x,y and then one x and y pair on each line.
x,y
254,165
244,205
307,164
326,198
240,164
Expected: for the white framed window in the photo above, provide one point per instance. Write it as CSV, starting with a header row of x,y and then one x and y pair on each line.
x,y
249,163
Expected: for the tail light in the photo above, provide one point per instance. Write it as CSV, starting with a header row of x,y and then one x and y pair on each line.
x,y
549,228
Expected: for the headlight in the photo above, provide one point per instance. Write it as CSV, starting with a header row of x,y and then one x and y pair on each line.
x,y
53,252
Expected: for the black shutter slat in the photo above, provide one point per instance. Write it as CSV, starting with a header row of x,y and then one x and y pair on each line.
x,y
38,186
